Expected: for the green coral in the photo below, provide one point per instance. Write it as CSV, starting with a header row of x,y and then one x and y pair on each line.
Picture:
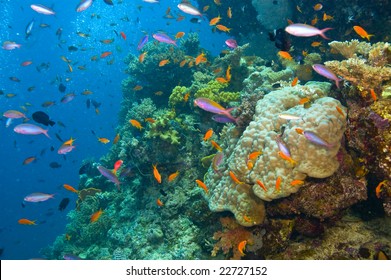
x,y
213,91
162,128
177,96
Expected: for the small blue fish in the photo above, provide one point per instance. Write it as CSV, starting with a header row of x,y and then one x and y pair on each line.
x,y
142,42
315,139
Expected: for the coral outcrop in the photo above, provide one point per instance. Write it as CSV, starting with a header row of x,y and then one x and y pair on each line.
x,y
245,197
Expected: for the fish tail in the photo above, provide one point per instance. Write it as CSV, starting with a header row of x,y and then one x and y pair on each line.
x,y
369,36
323,31
46,134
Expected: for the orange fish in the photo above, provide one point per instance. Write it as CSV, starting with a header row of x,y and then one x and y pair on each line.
x,y
137,88
229,12
26,222
29,160
304,100
156,174
123,35
316,44
105,54
339,110
285,55
142,57
246,218
327,17
221,80
289,21
314,21
297,182
180,18
87,92
117,165
254,155
378,188
214,21
233,177
299,130
200,58
286,157
182,63
179,35
318,7
95,216
202,185
261,185
150,120
136,124
278,183
373,95
159,202
94,58
294,82
164,62
217,2
242,247
116,138
186,97
215,145
70,188
250,165
103,140
228,73
222,28
172,176
362,33
208,134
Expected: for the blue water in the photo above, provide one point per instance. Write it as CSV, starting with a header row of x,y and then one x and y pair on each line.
x,y
104,80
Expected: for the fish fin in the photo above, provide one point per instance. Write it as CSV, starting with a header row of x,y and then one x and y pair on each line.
x,y
46,134
323,31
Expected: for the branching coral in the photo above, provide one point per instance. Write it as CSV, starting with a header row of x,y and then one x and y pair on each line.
x,y
230,237
214,91
370,70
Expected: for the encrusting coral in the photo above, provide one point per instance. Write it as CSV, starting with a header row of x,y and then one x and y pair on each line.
x,y
244,197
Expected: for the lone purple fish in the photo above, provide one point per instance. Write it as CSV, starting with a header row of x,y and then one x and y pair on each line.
x,y
314,138
326,72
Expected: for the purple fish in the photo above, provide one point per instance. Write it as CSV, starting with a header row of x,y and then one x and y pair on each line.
x,y
142,42
305,30
214,107
282,147
68,98
231,43
7,45
65,148
326,72
84,5
38,197
217,160
315,139
30,129
222,119
161,37
109,175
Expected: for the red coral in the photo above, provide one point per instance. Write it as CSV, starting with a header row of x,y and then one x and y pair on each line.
x,y
230,237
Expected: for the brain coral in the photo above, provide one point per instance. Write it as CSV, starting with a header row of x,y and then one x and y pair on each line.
x,y
245,199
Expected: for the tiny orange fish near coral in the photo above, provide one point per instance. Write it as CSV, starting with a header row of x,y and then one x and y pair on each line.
x,y
156,174
95,216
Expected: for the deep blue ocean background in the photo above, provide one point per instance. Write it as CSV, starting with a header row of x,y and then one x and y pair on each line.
x,y
104,80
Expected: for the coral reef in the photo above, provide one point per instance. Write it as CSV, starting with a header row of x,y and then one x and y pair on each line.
x,y
370,70
311,160
214,91
282,8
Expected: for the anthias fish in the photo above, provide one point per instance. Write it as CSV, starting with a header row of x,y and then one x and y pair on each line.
x,y
189,9
30,129
163,38
109,175
305,30
42,9
326,72
38,197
